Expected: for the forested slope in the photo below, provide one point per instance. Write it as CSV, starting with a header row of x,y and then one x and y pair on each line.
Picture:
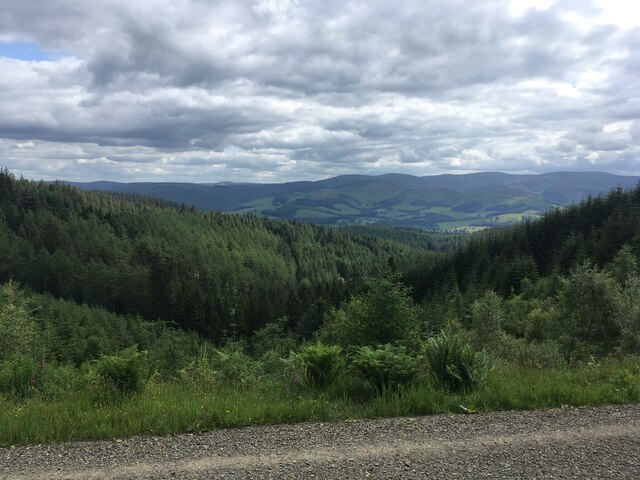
x,y
431,240
218,274
594,230
543,314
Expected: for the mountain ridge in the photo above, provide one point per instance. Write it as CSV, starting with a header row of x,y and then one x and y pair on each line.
x,y
446,201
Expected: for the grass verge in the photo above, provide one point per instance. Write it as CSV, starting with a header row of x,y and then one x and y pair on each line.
x,y
166,407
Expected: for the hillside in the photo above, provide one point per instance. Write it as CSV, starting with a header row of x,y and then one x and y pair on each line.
x,y
436,202
174,320
538,259
218,274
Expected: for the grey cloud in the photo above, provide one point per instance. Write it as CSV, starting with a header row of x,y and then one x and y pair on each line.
x,y
318,88
593,138
567,146
635,131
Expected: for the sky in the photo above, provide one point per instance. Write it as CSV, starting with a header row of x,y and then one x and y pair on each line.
x,y
283,90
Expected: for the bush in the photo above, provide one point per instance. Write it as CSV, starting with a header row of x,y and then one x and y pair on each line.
x,y
171,352
228,365
487,316
384,314
57,380
520,352
539,321
386,366
629,316
18,329
589,312
20,377
454,364
272,340
24,376
122,374
234,367
320,363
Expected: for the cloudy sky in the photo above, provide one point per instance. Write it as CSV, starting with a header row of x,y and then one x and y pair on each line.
x,y
280,90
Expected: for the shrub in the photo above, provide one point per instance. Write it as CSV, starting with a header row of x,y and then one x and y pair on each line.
x,y
122,374
20,377
539,321
24,376
589,305
384,314
454,364
385,366
320,363
232,366
171,352
18,328
487,316
624,266
228,365
58,380
629,316
520,352
272,340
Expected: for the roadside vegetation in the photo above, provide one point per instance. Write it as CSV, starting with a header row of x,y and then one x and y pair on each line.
x,y
500,323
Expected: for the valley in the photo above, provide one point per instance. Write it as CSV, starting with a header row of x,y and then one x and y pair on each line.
x,y
125,315
442,202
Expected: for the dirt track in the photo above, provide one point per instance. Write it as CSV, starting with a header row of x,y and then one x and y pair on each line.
x,y
560,443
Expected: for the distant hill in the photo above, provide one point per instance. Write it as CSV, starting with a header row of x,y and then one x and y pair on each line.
x,y
439,202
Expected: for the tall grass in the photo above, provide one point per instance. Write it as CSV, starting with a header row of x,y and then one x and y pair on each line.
x,y
186,406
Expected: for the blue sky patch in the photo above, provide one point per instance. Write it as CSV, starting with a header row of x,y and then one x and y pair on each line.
x,y
26,51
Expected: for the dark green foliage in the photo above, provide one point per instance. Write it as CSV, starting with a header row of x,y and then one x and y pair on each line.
x,y
629,319
568,277
320,363
454,364
384,314
23,377
111,266
228,366
595,229
433,241
272,340
20,376
532,354
539,323
231,366
624,266
171,350
589,308
230,291
172,407
124,374
213,273
19,336
385,366
487,316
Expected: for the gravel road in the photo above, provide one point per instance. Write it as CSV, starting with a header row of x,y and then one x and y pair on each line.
x,y
601,442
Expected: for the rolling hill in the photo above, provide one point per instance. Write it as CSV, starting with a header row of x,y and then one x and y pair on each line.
x,y
210,272
438,202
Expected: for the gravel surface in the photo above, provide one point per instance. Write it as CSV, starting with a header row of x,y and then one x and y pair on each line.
x,y
601,442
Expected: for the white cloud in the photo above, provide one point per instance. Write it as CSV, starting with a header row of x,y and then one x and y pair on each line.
x,y
285,90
